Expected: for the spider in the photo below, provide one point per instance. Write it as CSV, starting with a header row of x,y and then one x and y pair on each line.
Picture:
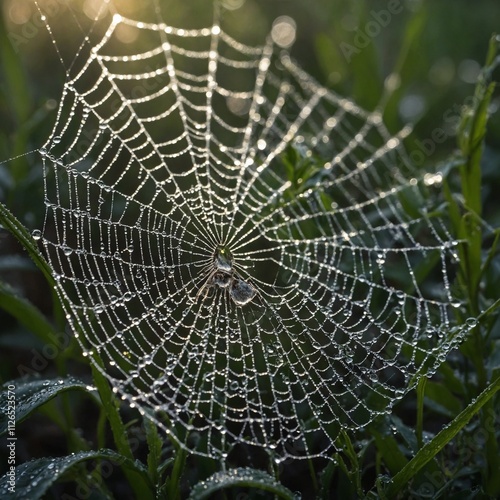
x,y
224,276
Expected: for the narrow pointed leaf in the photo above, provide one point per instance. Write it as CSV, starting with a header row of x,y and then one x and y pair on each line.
x,y
31,394
26,313
33,479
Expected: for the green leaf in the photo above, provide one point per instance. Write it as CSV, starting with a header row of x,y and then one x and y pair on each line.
x,y
28,395
472,131
364,65
109,403
433,447
441,395
388,447
172,485
329,57
406,432
451,381
12,224
242,478
26,313
420,410
354,471
154,449
326,479
33,479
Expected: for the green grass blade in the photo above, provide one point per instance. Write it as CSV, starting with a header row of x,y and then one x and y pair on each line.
x,y
172,484
420,410
389,449
120,435
432,448
154,450
326,480
12,224
26,313
109,404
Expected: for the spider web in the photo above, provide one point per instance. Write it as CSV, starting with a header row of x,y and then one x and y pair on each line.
x,y
199,144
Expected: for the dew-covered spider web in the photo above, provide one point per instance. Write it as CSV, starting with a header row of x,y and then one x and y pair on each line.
x,y
247,252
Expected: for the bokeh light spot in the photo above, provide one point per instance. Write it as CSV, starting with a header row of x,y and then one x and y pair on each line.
x,y
469,70
126,33
442,71
95,9
232,4
284,31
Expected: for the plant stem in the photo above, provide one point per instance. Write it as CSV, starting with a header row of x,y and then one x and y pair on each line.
x,y
420,410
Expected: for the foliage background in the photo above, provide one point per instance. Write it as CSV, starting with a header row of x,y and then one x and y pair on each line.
x,y
436,47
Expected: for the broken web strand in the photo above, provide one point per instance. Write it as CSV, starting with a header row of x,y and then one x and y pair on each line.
x,y
314,331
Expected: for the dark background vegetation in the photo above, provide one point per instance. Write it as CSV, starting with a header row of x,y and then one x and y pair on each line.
x,y
434,47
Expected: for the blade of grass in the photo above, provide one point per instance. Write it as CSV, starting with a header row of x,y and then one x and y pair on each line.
x,y
118,429
12,224
19,231
26,313
420,409
154,450
432,448
109,403
353,473
390,452
172,485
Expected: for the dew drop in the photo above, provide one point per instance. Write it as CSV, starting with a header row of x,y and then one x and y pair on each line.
x,y
471,322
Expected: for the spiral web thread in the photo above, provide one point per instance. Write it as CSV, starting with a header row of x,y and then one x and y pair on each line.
x,y
196,146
